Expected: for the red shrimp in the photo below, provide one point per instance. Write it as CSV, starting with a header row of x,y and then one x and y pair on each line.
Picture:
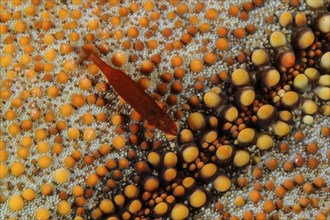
x,y
134,95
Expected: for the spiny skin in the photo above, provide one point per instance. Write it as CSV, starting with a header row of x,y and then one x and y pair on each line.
x,y
134,95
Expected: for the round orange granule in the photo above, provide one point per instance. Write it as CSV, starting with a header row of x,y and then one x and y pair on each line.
x,y
152,44
147,66
25,59
26,141
36,92
61,125
233,10
74,37
4,15
5,93
63,13
17,169
49,116
66,110
69,162
239,33
123,163
186,38
88,159
193,19
73,133
119,58
62,77
254,196
40,134
76,154
101,171
177,44
42,213
42,147
248,6
46,189
118,142
166,32
269,206
16,203
61,176
204,27
44,161
154,15
63,207
92,69
104,149
3,156
93,24
117,119
30,11
10,115
222,31
182,8
69,65
48,67
325,131
89,134
77,191
199,6
65,48
20,26
250,28
53,91
76,14
196,65
171,15
28,49
115,21
50,55
210,58
258,3
211,14
9,49
5,61
118,34
222,44
123,11
85,84
176,61
3,29
91,99
46,24
2,145
78,100
92,180
244,15
148,6
87,118
288,59
3,171
132,32
35,114
24,40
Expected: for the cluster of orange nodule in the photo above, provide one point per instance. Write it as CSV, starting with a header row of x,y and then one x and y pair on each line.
x,y
204,151
37,51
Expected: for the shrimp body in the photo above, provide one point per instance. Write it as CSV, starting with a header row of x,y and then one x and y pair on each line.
x,y
134,95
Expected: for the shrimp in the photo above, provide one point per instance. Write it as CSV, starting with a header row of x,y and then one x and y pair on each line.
x,y
133,94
